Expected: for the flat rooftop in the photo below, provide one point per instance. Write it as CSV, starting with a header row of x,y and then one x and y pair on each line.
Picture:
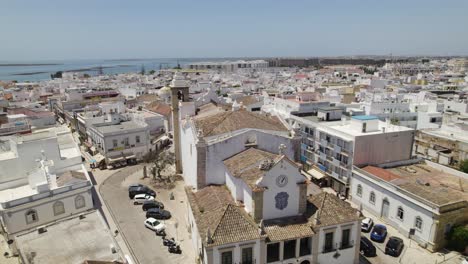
x,y
350,129
70,241
429,183
128,125
16,193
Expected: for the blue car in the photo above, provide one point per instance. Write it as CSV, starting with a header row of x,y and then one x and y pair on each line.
x,y
379,233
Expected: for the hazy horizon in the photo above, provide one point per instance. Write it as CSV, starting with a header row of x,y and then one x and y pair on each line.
x,y
105,30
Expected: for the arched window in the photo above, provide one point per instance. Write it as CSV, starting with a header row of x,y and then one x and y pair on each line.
x,y
79,202
59,208
400,213
418,223
372,198
31,216
359,190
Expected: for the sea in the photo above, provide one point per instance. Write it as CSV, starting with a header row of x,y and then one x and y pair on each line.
x,y
33,71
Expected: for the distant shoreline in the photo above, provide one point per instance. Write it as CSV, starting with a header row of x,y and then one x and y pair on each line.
x,y
75,70
28,64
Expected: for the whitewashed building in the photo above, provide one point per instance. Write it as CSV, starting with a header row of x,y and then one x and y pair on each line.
x,y
42,180
417,197
263,215
207,140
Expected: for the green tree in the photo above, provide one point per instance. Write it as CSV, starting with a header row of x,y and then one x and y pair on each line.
x,y
86,75
142,71
464,166
152,72
458,238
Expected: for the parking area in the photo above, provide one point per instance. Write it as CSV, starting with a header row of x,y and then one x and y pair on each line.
x,y
144,244
412,253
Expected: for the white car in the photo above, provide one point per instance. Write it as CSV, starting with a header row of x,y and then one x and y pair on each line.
x,y
140,198
367,224
154,225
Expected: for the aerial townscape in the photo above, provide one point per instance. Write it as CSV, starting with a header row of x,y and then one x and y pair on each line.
x,y
344,159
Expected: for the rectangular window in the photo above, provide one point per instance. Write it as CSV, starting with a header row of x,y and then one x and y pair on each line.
x,y
305,247
126,143
114,143
226,257
328,243
272,252
289,249
137,139
345,238
247,256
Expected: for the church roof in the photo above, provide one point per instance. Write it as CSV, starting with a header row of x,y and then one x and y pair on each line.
x,y
330,210
234,226
229,121
214,209
288,228
246,164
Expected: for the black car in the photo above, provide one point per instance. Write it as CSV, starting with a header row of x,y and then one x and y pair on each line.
x,y
132,191
367,248
394,246
158,213
135,185
152,204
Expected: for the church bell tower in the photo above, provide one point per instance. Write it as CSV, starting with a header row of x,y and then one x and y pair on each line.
x,y
180,93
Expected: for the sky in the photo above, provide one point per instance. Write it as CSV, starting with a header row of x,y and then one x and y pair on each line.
x,y
113,29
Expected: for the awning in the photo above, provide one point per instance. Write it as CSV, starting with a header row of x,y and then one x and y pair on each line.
x,y
97,158
316,173
130,157
117,159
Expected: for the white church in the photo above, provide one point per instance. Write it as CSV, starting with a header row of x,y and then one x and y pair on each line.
x,y
248,200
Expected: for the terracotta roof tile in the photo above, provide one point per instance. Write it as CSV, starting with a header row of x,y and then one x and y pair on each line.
x,y
381,173
330,209
234,226
245,165
159,108
288,228
248,100
235,120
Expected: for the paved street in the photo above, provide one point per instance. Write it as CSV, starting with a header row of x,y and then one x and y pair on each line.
x,y
145,245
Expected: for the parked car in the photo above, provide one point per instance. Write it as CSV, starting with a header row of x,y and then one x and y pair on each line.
x,y
367,224
158,213
140,190
141,198
135,185
394,246
367,248
154,225
152,204
379,233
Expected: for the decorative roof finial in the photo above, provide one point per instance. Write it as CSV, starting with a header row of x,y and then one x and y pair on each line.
x,y
281,148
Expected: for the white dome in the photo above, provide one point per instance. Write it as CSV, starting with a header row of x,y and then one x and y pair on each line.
x,y
164,92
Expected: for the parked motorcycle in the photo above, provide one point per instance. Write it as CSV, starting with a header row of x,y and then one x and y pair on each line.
x,y
161,233
174,249
169,242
